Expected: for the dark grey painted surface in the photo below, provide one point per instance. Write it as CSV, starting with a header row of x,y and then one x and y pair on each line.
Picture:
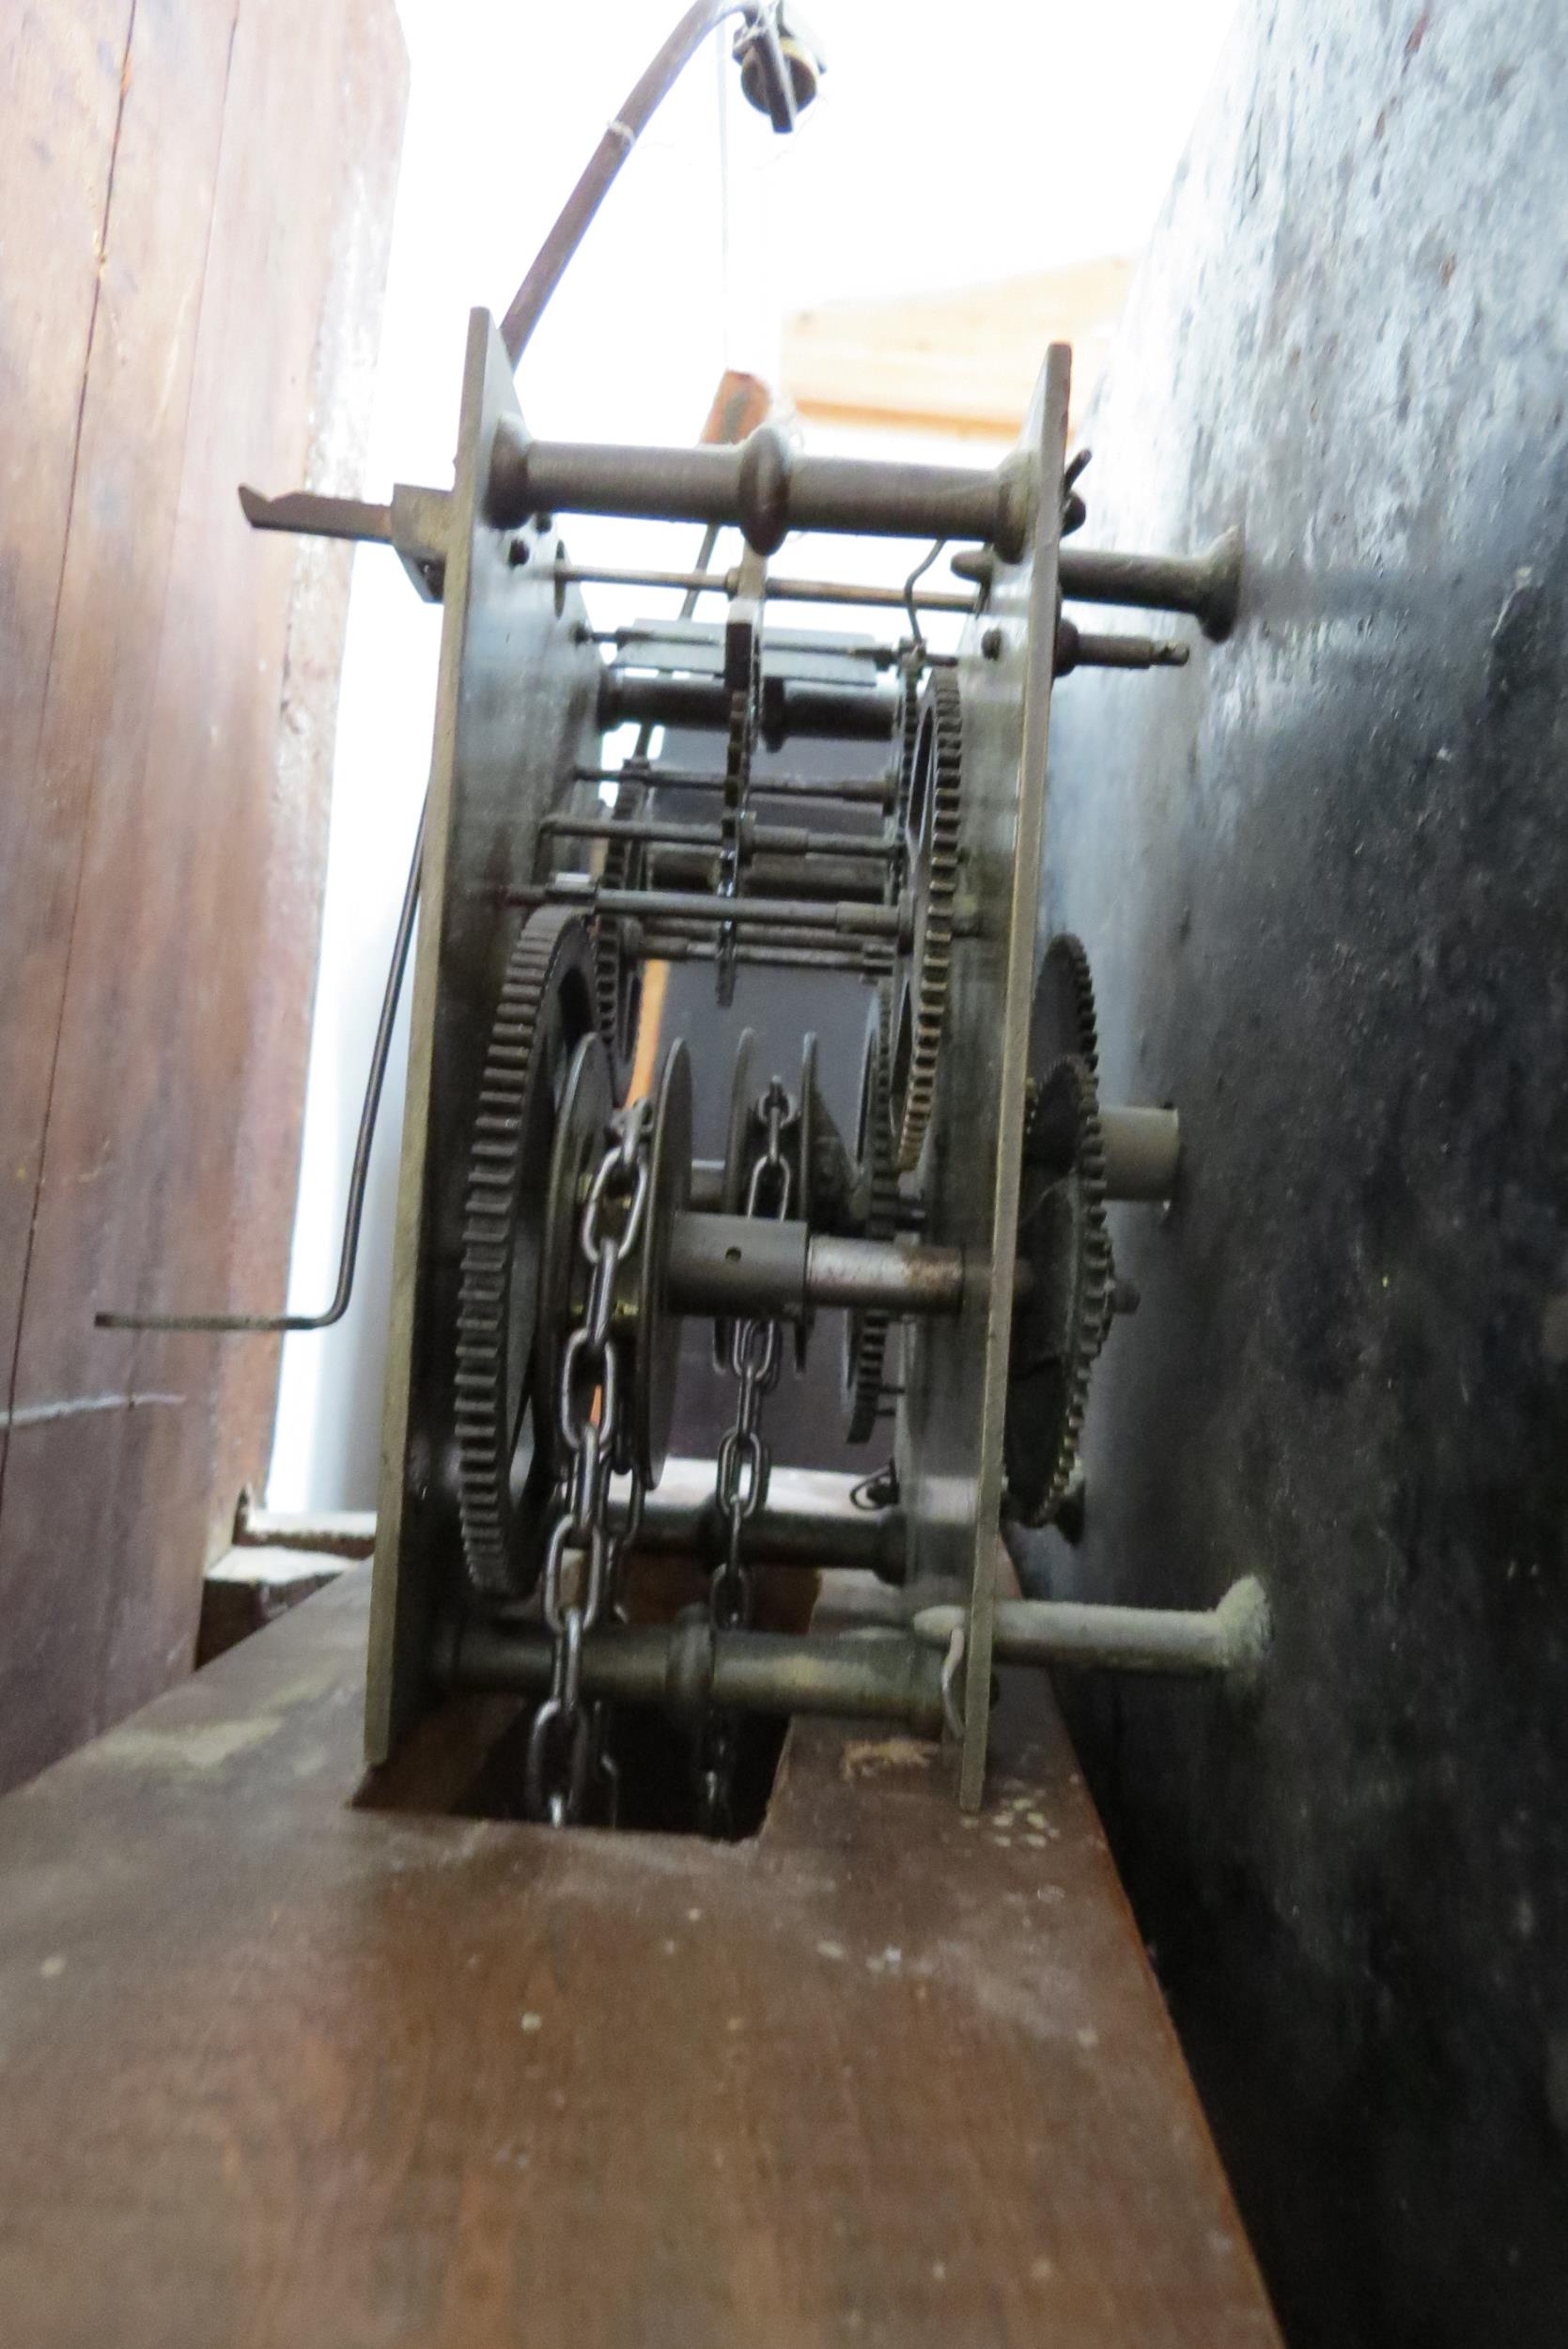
x,y
804,1418
1322,875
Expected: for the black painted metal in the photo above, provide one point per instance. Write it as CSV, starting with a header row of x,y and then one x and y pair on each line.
x,y
1323,875
804,1415
791,709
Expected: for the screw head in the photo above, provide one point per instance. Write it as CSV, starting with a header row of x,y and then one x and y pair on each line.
x,y
990,643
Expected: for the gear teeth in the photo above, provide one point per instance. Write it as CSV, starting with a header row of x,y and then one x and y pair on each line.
x,y
1094,1277
549,943
1098,1272
867,1328
936,885
1069,958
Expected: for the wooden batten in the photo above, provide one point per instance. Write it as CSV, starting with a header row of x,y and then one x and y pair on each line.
x,y
952,363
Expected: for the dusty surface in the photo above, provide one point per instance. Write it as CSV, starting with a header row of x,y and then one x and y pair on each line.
x,y
277,2070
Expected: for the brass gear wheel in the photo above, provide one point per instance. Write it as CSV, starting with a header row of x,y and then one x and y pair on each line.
x,y
867,1328
1064,1309
931,831
547,1006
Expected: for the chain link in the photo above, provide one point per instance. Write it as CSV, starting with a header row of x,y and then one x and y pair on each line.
x,y
565,1743
756,1358
744,1462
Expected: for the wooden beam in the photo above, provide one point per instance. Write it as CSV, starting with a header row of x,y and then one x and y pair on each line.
x,y
954,363
245,1590
281,2070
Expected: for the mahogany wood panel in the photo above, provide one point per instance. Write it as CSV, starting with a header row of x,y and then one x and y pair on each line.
x,y
60,77
276,2070
169,908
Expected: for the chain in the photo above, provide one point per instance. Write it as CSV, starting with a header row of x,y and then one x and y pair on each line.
x,y
743,676
756,1359
565,1743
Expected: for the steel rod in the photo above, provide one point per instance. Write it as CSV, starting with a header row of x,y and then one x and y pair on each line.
x,y
836,917
874,790
1079,648
811,1517
766,839
689,1667
696,933
739,1263
1230,1638
763,875
642,649
870,963
900,1276
839,713
1207,585
645,637
270,1325
827,591
1142,1152
708,1185
764,485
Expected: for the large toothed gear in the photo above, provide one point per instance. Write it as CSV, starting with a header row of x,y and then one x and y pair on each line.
x,y
1065,971
1063,1304
548,1006
867,1328
932,834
